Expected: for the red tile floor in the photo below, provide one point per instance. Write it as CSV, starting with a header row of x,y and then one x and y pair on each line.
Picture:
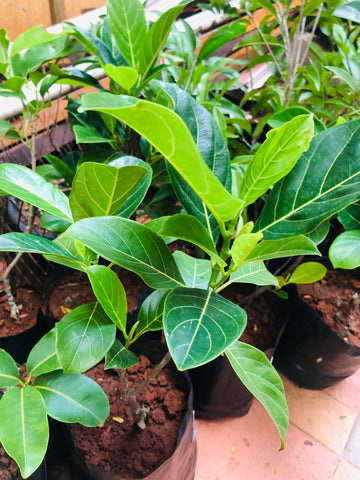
x,y
323,442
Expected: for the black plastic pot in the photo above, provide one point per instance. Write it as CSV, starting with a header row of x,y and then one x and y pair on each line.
x,y
309,353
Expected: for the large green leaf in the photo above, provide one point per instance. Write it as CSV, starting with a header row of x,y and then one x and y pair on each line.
x,y
150,316
276,157
345,250
24,429
261,378
78,256
284,247
73,398
31,38
110,293
221,37
119,357
43,358
130,245
350,217
100,190
324,181
254,272
128,25
84,335
165,130
9,373
196,272
350,11
23,183
199,325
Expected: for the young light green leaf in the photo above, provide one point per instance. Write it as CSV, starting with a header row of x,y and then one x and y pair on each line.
x,y
150,316
126,77
195,271
130,245
242,247
5,126
73,398
199,325
276,157
24,429
31,38
23,183
284,247
42,358
261,378
344,252
350,217
9,373
188,228
100,190
307,272
254,272
119,357
87,134
84,335
128,25
165,130
309,195
110,293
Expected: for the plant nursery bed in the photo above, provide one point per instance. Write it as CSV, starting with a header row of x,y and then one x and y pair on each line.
x,y
120,445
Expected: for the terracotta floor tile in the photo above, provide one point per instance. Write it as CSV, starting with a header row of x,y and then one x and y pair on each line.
x,y
346,471
352,450
247,448
320,415
347,391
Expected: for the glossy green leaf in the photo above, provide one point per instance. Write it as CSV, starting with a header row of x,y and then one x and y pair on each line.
x,y
320,233
195,271
221,37
350,217
119,357
31,38
126,77
199,325
150,316
307,272
284,247
344,252
254,272
188,228
261,378
257,39
350,11
43,358
110,293
9,373
4,49
73,398
284,116
276,157
63,169
130,245
53,224
100,190
84,335
5,126
167,132
128,25
323,182
346,77
87,134
137,195
242,247
76,254
23,183
24,429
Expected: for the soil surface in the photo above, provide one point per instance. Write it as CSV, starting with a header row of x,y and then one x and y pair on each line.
x,y
336,298
8,468
123,447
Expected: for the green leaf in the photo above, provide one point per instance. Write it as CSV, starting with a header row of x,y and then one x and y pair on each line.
x,y
254,272
110,293
31,38
42,358
276,157
84,335
23,183
350,217
63,169
167,132
221,37
9,374
119,357
86,134
320,233
307,272
199,325
150,316
195,271
24,429
284,116
261,378
188,228
257,39
5,125
76,254
323,182
4,49
100,190
73,398
136,197
284,247
128,25
126,77
242,247
350,11
346,77
155,38
132,246
53,224
344,252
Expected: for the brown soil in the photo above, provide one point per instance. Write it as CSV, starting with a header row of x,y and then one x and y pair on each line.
x,y
28,302
122,447
336,299
8,468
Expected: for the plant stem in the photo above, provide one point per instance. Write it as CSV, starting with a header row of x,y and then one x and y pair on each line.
x,y
193,66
